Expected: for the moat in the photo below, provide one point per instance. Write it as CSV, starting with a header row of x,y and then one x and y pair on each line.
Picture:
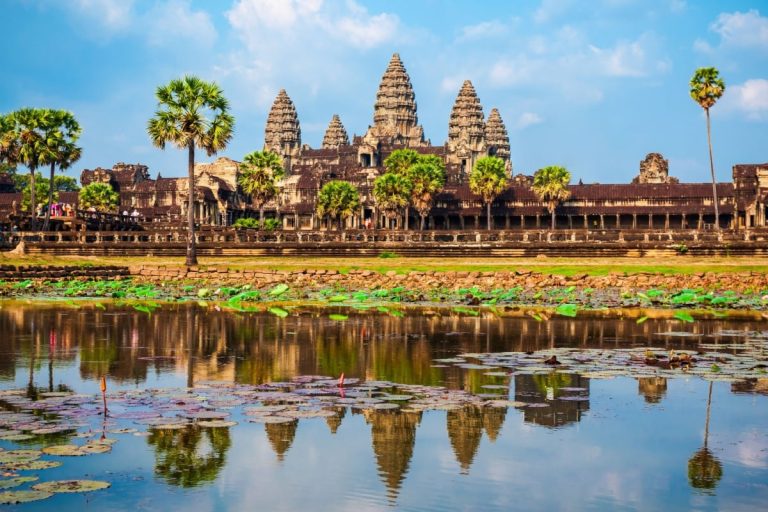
x,y
222,410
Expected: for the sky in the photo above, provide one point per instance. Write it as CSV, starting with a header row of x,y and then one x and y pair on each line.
x,y
593,86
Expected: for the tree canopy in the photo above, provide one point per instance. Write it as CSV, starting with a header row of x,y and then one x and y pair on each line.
x,y
338,199
488,179
427,178
100,196
400,160
392,193
259,172
707,87
550,184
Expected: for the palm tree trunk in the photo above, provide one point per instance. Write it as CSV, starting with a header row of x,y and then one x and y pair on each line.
x,y
50,198
407,213
32,202
712,170
421,222
552,213
191,248
706,424
488,214
261,217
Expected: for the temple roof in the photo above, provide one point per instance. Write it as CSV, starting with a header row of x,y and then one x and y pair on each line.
x,y
467,120
282,129
496,136
335,135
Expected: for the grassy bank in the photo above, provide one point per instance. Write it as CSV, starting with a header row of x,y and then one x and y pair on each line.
x,y
556,266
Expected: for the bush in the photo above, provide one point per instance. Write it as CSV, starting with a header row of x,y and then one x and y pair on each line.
x,y
251,223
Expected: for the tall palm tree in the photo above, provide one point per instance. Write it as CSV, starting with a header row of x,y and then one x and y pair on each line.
x,y
191,114
61,134
706,88
488,179
550,184
428,178
398,162
392,192
338,199
259,173
23,142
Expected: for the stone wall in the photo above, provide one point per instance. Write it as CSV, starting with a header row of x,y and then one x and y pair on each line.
x,y
13,272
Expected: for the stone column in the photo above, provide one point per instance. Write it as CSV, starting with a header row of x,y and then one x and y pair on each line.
x,y
634,221
602,221
666,222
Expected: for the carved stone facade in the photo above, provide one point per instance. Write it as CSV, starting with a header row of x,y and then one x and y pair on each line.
x,y
335,135
654,169
466,130
496,138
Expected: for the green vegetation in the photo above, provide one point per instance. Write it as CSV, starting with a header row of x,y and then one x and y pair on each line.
x,y
338,200
251,223
550,184
392,193
182,120
61,133
706,88
100,196
488,179
259,172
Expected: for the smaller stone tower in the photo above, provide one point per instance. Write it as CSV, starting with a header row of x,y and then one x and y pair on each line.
x,y
335,135
497,139
282,134
466,129
654,169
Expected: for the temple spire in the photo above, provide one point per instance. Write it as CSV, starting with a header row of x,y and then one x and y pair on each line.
x,y
496,137
335,135
282,133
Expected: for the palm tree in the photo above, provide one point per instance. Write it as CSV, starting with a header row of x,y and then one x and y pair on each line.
x,y
100,196
61,133
488,179
182,119
392,193
704,469
23,142
550,184
428,178
398,162
338,199
259,173
706,88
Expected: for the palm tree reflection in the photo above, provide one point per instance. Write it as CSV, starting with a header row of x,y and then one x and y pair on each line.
x,y
704,469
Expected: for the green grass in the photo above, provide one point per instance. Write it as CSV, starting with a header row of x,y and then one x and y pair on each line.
x,y
557,266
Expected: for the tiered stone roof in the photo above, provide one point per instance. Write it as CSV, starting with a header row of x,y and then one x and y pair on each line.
x,y
282,133
496,137
395,101
335,135
467,121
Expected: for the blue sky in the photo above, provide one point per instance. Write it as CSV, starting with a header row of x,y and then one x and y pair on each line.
x,y
590,85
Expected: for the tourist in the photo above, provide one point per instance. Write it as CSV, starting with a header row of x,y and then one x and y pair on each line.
x,y
135,215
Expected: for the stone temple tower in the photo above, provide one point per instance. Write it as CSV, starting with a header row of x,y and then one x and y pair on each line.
x,y
394,116
282,134
466,129
335,135
497,139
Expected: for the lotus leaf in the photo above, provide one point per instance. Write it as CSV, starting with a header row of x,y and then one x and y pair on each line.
x,y
13,497
17,481
71,486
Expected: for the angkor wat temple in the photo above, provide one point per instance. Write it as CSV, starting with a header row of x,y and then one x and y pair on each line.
x,y
654,199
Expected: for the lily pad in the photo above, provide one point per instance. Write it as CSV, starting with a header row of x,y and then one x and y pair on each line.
x,y
338,318
13,497
279,312
216,423
31,465
71,486
64,450
19,456
17,481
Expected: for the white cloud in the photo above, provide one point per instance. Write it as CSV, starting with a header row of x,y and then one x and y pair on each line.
x,y
175,20
549,9
114,14
630,58
367,32
742,29
528,119
483,30
749,98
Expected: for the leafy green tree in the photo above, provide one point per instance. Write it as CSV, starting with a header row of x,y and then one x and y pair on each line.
x,y
488,179
427,179
550,184
65,184
191,114
338,199
190,456
42,187
23,142
392,193
259,173
706,88
61,133
400,160
100,196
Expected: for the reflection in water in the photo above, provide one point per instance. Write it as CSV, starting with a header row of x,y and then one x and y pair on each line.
x,y
334,422
704,469
393,435
551,405
465,429
190,456
652,388
281,436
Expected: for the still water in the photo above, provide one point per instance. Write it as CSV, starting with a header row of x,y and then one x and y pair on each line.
x,y
570,443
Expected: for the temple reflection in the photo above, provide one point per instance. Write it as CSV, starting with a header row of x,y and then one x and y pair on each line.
x,y
393,436
555,399
281,436
653,389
